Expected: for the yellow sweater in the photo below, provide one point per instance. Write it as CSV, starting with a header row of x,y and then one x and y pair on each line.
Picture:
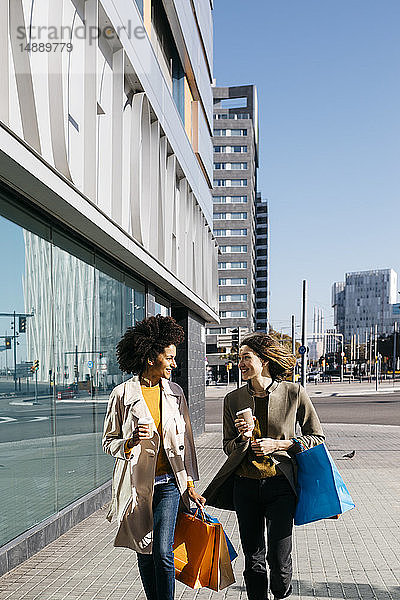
x,y
152,396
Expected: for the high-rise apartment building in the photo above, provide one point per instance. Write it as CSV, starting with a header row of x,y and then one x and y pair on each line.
x,y
262,264
106,217
364,300
234,196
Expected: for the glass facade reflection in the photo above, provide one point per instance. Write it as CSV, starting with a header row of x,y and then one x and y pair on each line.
x,y
76,306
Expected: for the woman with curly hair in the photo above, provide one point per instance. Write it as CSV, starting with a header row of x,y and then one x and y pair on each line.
x,y
258,480
147,429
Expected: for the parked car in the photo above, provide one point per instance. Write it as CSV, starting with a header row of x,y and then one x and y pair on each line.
x,y
65,394
314,376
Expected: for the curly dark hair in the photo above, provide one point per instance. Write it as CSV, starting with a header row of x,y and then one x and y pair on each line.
x,y
145,341
281,361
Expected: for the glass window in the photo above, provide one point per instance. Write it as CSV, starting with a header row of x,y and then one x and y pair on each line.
x,y
230,199
233,249
233,313
162,306
233,297
57,371
238,265
240,166
233,281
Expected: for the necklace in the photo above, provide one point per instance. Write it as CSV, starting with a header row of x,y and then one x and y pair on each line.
x,y
147,382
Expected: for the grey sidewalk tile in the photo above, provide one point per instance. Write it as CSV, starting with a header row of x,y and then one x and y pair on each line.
x,y
352,558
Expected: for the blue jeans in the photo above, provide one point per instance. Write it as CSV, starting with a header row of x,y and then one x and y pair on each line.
x,y
157,570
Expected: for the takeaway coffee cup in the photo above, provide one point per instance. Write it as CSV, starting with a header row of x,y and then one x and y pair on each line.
x,y
145,421
247,415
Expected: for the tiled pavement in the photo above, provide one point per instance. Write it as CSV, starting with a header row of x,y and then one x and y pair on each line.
x,y
356,557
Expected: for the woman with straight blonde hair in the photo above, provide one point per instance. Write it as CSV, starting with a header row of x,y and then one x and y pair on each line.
x,y
258,480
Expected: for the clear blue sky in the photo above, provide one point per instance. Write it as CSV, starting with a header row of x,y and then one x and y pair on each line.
x,y
328,79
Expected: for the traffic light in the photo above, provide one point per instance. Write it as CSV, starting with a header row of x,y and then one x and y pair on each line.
x,y
228,366
35,366
8,343
22,324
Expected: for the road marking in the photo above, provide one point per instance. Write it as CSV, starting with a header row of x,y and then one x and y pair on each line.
x,y
7,419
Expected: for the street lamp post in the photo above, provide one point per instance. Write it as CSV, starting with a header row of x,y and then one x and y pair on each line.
x,y
377,370
341,357
293,346
304,335
394,350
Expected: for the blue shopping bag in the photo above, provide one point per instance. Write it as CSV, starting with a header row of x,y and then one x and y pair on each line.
x,y
321,492
209,519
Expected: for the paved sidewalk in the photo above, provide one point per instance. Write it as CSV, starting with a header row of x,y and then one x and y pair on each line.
x,y
355,388
356,557
325,389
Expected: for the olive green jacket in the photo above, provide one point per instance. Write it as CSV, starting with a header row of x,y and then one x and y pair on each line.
x,y
288,404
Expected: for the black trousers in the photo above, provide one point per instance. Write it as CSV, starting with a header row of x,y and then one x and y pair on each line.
x,y
258,503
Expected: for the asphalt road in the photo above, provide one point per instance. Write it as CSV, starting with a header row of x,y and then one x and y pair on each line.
x,y
382,409
24,421
21,422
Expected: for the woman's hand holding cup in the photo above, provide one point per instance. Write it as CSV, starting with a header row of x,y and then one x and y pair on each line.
x,y
144,428
244,423
141,432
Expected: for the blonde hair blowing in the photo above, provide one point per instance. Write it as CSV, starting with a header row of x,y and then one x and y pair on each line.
x,y
281,361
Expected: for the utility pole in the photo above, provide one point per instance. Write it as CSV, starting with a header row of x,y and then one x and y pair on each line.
x,y
370,355
304,335
342,359
293,347
394,350
15,353
239,378
76,367
377,369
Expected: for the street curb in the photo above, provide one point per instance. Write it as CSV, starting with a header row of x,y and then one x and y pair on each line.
x,y
352,393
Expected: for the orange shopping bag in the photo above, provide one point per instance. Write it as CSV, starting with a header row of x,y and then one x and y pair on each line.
x,y
201,553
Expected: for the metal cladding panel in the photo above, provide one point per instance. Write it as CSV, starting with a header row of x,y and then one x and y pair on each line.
x,y
191,36
205,145
141,56
204,20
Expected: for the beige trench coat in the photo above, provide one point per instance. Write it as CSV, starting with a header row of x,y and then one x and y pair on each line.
x,y
287,405
133,478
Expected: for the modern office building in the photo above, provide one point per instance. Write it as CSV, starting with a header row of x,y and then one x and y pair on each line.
x,y
338,304
234,197
106,216
262,264
364,300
